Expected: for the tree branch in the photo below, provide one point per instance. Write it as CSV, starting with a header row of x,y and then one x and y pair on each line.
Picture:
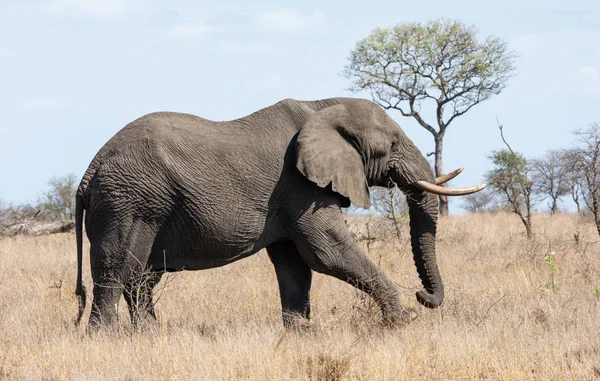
x,y
502,136
455,115
417,116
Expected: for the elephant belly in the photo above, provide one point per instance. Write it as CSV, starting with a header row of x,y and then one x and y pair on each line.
x,y
195,259
203,246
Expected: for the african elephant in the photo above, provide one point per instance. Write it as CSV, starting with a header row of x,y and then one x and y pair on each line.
x,y
175,191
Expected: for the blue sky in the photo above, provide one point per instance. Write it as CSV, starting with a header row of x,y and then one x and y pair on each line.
x,y
72,73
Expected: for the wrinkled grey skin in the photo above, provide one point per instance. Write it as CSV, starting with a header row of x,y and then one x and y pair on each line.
x,y
175,191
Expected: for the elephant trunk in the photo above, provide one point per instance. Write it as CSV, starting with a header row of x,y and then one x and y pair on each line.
x,y
423,210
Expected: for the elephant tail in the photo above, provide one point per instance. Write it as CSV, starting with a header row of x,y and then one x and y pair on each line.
x,y
80,288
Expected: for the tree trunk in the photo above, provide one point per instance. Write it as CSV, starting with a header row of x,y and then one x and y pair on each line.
x,y
554,206
528,228
575,198
596,207
439,171
526,220
528,207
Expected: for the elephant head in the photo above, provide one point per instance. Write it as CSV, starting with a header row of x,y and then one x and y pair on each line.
x,y
353,145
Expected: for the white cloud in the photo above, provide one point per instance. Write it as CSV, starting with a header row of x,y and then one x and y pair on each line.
x,y
288,20
98,8
42,104
188,30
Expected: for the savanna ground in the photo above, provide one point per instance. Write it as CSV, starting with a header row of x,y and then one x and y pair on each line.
x,y
510,313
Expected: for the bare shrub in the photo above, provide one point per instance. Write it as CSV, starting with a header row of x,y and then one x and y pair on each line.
x,y
551,175
58,202
143,288
584,161
512,179
481,202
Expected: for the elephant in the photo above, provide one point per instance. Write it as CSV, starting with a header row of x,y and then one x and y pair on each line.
x,y
174,191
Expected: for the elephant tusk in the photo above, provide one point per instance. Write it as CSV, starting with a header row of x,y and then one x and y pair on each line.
x,y
436,189
445,178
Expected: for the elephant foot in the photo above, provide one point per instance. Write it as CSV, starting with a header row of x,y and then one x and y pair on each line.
x,y
102,323
145,325
101,329
399,319
296,322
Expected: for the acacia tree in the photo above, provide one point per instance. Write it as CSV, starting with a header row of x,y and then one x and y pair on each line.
x,y
551,175
440,66
59,201
480,202
574,179
586,164
512,179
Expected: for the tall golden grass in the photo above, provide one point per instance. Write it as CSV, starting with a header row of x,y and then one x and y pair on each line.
x,y
503,318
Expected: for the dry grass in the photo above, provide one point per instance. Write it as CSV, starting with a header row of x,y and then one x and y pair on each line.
x,y
501,319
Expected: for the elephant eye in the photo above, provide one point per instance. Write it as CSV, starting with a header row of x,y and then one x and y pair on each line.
x,y
394,143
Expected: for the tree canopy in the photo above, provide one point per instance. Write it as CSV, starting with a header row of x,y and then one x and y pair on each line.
x,y
511,177
440,62
59,200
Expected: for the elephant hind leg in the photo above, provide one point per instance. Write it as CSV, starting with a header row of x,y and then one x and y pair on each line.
x,y
117,255
294,278
105,305
138,295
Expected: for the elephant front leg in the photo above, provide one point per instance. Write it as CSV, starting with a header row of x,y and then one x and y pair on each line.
x,y
294,278
327,246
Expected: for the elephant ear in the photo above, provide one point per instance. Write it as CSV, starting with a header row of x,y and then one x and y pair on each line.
x,y
326,154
